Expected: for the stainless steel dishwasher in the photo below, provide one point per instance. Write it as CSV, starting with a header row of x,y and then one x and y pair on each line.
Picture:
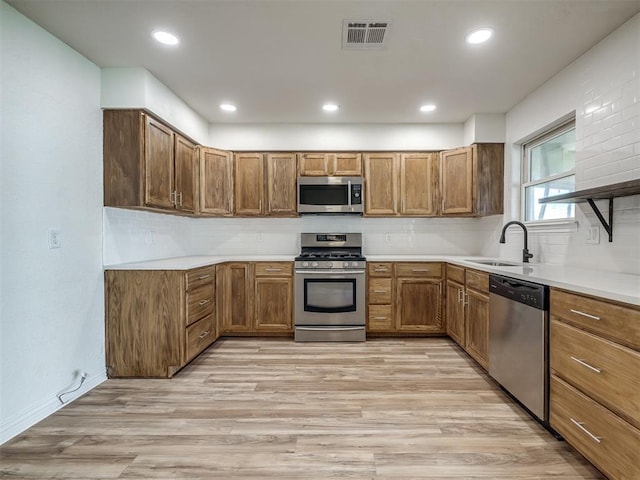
x,y
519,341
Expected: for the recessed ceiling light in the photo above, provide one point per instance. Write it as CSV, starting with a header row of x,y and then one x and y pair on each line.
x,y
228,107
165,38
480,35
430,107
330,107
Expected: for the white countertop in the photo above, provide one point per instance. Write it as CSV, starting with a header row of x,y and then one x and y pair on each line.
x,y
614,286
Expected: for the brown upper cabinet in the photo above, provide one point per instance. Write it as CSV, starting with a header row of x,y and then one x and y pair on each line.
x,y
216,182
471,180
329,164
401,184
147,164
265,184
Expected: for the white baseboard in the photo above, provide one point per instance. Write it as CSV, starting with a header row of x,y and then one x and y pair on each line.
x,y
16,424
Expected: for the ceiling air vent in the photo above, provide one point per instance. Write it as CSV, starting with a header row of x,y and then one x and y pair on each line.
x,y
363,35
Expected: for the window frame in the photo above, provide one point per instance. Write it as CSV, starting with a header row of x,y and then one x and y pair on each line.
x,y
525,172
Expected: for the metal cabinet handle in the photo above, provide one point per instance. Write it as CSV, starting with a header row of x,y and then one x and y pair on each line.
x,y
174,196
578,312
203,302
272,269
580,425
260,206
380,269
585,364
420,270
269,205
459,295
180,198
465,298
204,334
203,277
380,318
381,291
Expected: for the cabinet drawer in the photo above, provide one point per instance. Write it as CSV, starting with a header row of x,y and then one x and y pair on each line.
x,y
200,276
455,273
607,441
418,270
604,370
379,290
274,269
377,269
200,303
616,322
478,281
200,335
380,318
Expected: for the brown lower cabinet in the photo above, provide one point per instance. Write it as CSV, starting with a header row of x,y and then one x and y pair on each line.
x,y
467,306
405,297
256,298
157,321
595,380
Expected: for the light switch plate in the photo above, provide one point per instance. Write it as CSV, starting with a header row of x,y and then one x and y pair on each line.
x,y
593,235
55,238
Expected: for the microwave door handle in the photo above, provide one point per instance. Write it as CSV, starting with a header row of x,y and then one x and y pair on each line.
x,y
349,191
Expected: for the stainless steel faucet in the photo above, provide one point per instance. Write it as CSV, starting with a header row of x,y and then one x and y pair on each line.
x,y
525,251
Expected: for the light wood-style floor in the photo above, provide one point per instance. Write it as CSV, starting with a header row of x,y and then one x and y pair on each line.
x,y
272,408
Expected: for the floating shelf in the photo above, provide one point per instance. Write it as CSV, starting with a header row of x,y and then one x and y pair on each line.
x,y
608,192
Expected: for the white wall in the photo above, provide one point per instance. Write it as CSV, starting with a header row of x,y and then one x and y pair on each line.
x,y
136,236
484,128
135,87
52,317
603,88
336,136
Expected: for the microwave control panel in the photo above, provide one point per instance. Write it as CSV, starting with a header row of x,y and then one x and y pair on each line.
x,y
356,194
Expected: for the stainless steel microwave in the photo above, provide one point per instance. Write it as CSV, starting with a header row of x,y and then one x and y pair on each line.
x,y
330,195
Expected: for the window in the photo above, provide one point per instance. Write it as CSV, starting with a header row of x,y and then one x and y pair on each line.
x,y
548,166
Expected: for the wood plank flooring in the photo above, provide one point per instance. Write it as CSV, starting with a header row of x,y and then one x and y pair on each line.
x,y
272,408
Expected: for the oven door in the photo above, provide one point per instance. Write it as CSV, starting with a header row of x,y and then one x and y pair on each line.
x,y
324,297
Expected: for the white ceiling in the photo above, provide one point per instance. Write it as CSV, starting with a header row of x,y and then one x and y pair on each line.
x,y
280,60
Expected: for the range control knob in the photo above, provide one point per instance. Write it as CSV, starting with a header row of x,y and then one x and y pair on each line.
x,y
314,264
305,264
354,264
345,264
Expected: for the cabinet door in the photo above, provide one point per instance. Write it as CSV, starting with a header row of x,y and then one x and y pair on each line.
x,y
456,181
455,312
381,191
249,183
158,165
418,183
186,174
313,164
273,304
477,323
347,164
419,305
216,182
239,292
281,184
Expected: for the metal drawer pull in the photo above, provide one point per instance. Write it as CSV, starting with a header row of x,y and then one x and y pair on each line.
x,y
380,269
465,298
203,277
381,291
585,364
581,427
273,269
419,270
204,334
203,302
578,312
380,318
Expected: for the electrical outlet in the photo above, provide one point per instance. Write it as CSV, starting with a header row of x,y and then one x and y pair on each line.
x,y
387,238
149,237
55,238
259,237
593,234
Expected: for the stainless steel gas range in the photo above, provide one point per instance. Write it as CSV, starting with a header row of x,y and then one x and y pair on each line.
x,y
330,288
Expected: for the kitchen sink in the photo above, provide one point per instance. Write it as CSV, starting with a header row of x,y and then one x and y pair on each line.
x,y
495,263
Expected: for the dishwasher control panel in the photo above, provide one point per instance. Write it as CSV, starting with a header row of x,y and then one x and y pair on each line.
x,y
529,293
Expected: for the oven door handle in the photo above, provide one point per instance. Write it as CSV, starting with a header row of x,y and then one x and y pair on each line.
x,y
324,329
332,273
